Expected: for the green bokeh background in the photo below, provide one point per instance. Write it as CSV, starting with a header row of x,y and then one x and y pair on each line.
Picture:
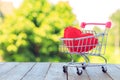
x,y
32,33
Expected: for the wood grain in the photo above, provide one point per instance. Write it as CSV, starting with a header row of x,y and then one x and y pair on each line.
x,y
17,72
72,74
54,71
114,72
95,73
38,72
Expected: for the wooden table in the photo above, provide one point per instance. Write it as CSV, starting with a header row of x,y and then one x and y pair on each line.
x,y
53,71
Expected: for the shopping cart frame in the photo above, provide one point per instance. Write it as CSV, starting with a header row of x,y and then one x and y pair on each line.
x,y
97,51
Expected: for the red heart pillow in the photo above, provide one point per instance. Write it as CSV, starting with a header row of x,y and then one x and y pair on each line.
x,y
79,45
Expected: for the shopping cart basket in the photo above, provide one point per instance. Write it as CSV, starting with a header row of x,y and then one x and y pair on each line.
x,y
92,45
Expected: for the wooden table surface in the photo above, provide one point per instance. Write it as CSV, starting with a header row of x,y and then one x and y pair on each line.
x,y
53,71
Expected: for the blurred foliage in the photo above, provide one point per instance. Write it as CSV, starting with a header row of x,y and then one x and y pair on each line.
x,y
113,44
1,17
115,31
33,32
97,29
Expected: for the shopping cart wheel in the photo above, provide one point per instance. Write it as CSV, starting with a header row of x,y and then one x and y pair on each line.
x,y
83,66
79,72
65,69
104,69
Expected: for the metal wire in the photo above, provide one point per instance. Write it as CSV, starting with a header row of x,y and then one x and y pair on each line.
x,y
80,45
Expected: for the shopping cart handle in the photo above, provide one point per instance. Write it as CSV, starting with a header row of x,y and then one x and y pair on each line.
x,y
107,24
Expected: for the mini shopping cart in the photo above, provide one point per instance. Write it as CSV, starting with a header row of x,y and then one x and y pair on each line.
x,y
94,45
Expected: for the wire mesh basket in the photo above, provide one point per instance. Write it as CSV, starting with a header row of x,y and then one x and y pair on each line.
x,y
92,45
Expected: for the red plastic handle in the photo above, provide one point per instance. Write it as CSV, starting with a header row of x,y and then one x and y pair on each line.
x,y
107,24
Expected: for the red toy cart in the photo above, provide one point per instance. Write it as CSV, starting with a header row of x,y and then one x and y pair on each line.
x,y
94,45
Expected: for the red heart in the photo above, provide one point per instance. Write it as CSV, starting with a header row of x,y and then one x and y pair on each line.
x,y
81,45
